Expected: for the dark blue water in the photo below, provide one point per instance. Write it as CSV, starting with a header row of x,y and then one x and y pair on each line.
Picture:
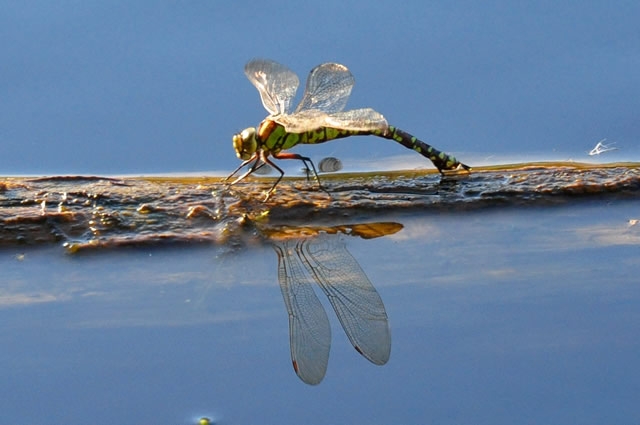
x,y
497,316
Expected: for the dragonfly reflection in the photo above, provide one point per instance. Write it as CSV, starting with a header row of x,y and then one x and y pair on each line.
x,y
319,255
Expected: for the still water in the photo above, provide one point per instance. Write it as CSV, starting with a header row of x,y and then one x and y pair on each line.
x,y
522,311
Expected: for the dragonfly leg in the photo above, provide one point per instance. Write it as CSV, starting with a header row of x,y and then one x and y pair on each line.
x,y
259,163
259,160
306,161
268,161
256,165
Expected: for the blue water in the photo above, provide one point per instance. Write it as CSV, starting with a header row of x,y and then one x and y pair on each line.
x,y
500,316
156,87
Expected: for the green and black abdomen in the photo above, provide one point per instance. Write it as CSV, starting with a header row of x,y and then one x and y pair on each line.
x,y
442,161
274,138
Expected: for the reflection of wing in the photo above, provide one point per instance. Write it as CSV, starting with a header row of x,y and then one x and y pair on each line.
x,y
276,84
328,88
354,299
365,119
309,330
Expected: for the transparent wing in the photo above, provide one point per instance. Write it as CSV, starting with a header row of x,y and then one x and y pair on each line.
x,y
309,329
276,84
354,299
365,119
328,88
302,121
357,119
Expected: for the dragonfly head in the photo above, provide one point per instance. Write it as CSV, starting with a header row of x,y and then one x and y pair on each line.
x,y
245,143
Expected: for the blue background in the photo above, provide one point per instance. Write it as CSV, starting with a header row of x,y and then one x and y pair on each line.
x,y
158,86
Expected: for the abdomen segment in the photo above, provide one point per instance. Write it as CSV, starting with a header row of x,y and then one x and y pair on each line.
x,y
442,161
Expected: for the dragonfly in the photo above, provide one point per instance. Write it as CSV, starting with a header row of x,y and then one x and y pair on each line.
x,y
324,259
319,117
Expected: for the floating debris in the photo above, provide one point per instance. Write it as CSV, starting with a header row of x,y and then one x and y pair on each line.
x,y
602,148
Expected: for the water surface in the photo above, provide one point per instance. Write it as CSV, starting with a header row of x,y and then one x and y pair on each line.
x,y
511,295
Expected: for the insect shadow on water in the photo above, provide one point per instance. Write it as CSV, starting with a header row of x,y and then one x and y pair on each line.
x,y
323,259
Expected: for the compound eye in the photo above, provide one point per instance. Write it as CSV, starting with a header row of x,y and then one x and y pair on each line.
x,y
245,144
